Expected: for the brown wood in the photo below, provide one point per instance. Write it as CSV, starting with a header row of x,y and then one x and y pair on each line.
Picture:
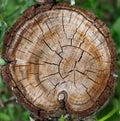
x,y
60,60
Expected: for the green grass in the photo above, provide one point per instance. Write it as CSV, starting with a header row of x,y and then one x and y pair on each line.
x,y
106,10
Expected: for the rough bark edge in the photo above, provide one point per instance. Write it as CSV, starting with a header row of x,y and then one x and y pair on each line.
x,y
31,12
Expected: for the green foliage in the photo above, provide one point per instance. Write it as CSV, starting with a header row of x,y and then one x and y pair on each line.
x,y
2,62
62,118
4,117
106,10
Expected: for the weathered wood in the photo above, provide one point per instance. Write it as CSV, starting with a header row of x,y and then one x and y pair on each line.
x,y
60,60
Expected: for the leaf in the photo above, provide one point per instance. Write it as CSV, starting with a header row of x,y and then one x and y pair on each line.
x,y
62,118
3,27
72,2
1,83
2,62
3,4
119,106
116,33
116,26
25,115
59,0
118,4
10,110
4,117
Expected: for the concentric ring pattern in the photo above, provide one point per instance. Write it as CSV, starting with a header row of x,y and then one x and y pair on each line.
x,y
60,58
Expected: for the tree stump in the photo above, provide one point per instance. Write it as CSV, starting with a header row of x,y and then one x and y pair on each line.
x,y
60,60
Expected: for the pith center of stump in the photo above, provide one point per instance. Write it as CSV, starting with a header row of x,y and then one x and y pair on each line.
x,y
71,57
62,97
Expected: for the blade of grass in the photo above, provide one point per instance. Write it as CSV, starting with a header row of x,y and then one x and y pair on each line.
x,y
62,118
111,113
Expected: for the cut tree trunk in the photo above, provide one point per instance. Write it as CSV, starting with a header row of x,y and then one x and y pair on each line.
x,y
60,60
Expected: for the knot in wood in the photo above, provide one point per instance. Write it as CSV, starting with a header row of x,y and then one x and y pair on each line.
x,y
62,98
60,56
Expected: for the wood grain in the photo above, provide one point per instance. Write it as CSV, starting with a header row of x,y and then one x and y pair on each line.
x,y
60,59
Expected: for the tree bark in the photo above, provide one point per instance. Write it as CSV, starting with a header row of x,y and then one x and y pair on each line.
x,y
60,60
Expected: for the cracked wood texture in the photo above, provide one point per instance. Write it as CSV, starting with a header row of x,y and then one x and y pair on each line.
x,y
60,60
